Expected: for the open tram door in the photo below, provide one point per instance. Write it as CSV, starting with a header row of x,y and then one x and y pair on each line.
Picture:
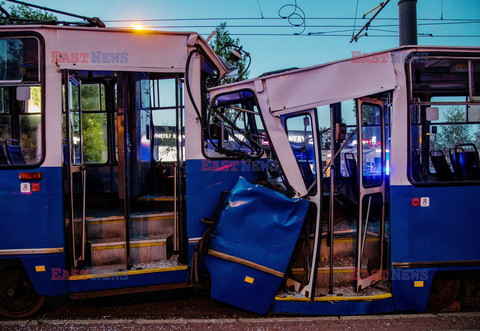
x,y
76,171
343,171
371,178
123,215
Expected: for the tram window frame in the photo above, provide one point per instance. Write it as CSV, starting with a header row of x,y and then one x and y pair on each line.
x,y
459,71
173,86
102,110
107,105
374,166
211,152
14,129
312,187
349,118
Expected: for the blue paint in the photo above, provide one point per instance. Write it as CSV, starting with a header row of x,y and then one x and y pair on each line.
x,y
45,283
445,231
204,185
333,308
112,282
261,226
33,220
406,296
442,232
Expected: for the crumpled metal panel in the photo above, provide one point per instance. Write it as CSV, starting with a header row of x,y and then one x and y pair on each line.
x,y
261,226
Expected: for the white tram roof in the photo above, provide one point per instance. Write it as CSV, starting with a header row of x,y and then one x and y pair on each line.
x,y
299,89
87,48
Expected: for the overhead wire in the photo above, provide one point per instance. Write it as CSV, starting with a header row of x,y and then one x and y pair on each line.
x,y
294,18
260,7
355,20
284,26
366,26
275,18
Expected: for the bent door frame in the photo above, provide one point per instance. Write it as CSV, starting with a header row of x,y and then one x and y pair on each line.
x,y
367,192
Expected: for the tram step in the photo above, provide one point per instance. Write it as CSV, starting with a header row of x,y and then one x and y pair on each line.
x,y
113,251
342,276
343,247
343,271
154,202
141,224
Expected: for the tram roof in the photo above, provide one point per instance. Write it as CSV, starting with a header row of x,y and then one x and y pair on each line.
x,y
401,49
193,38
367,74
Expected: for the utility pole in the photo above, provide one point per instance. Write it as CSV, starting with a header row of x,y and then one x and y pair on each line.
x,y
407,22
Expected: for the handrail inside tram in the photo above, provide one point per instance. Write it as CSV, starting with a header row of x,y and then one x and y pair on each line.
x,y
344,144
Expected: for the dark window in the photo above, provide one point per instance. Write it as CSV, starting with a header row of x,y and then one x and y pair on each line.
x,y
234,127
444,120
19,60
300,136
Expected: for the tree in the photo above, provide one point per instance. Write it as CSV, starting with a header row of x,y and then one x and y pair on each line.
x,y
94,124
453,134
27,13
222,43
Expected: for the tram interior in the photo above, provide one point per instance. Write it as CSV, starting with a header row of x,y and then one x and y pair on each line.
x,y
346,191
445,120
344,209
122,168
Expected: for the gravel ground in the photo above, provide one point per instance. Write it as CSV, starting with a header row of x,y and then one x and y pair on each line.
x,y
189,309
456,321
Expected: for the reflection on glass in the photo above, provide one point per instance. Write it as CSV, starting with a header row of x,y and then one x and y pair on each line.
x,y
372,145
234,127
165,136
20,125
300,136
19,59
93,97
370,262
476,78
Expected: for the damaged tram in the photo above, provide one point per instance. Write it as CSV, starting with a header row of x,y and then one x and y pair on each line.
x,y
345,188
384,146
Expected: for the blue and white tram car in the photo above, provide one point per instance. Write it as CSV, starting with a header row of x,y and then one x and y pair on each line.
x,y
352,185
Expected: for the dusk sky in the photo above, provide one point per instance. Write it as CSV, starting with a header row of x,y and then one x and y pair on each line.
x,y
324,35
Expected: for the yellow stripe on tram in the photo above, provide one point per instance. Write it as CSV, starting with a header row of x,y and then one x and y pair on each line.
x,y
162,243
127,273
338,298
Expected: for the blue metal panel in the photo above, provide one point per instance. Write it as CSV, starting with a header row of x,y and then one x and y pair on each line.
x,y
257,225
46,282
405,295
111,282
447,230
333,308
35,219
206,179
229,284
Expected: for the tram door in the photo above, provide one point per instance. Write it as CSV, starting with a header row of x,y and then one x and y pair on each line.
x,y
74,160
371,179
123,147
